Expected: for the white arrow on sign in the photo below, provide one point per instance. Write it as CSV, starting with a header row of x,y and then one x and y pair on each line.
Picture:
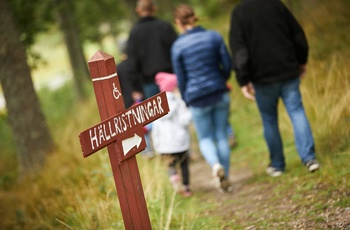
x,y
129,143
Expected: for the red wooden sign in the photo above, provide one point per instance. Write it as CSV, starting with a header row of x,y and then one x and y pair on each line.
x,y
110,130
121,131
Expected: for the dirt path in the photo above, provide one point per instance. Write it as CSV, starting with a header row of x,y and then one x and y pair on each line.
x,y
250,204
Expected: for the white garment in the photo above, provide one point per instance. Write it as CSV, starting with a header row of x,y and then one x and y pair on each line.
x,y
171,134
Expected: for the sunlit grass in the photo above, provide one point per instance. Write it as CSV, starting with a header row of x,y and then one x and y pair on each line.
x,y
328,102
76,193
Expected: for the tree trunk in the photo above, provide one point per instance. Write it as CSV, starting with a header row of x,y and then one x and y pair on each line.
x,y
30,131
75,50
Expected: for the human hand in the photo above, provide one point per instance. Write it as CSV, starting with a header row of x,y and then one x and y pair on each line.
x,y
137,96
248,91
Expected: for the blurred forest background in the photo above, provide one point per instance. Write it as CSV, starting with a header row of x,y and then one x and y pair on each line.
x,y
47,99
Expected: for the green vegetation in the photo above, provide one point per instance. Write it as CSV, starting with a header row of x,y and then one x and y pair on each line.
x,y
76,193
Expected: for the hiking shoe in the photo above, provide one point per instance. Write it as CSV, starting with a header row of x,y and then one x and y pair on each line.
x,y
186,191
225,186
175,182
312,165
218,171
218,174
271,171
232,141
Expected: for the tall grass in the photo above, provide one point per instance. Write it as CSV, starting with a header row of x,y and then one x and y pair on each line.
x,y
327,91
76,193
327,98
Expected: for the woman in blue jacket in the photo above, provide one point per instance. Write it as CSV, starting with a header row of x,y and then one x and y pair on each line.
x,y
203,65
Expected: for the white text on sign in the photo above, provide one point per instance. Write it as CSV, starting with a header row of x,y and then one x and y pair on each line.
x,y
136,115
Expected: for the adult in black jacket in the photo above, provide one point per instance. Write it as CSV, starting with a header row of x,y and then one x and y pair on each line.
x,y
123,75
270,51
149,48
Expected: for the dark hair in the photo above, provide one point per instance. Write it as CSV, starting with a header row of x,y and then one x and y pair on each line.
x,y
185,14
146,5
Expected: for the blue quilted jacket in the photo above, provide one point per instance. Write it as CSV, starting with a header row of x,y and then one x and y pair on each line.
x,y
202,64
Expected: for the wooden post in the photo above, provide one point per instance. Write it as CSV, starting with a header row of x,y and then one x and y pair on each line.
x,y
121,131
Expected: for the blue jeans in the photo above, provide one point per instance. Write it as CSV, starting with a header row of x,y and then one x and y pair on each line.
x,y
149,146
149,90
211,128
267,99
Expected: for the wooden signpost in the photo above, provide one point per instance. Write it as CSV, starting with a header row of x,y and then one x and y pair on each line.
x,y
121,132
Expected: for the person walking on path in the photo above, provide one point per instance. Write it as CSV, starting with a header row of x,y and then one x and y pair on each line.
x,y
148,52
148,49
203,65
171,135
128,97
269,52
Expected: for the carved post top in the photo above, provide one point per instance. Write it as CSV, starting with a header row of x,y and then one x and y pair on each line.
x,y
100,55
101,65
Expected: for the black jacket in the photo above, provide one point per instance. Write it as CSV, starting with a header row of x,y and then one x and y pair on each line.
x,y
148,49
266,41
125,83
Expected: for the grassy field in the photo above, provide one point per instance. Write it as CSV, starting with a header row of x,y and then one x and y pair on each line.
x,y
76,193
